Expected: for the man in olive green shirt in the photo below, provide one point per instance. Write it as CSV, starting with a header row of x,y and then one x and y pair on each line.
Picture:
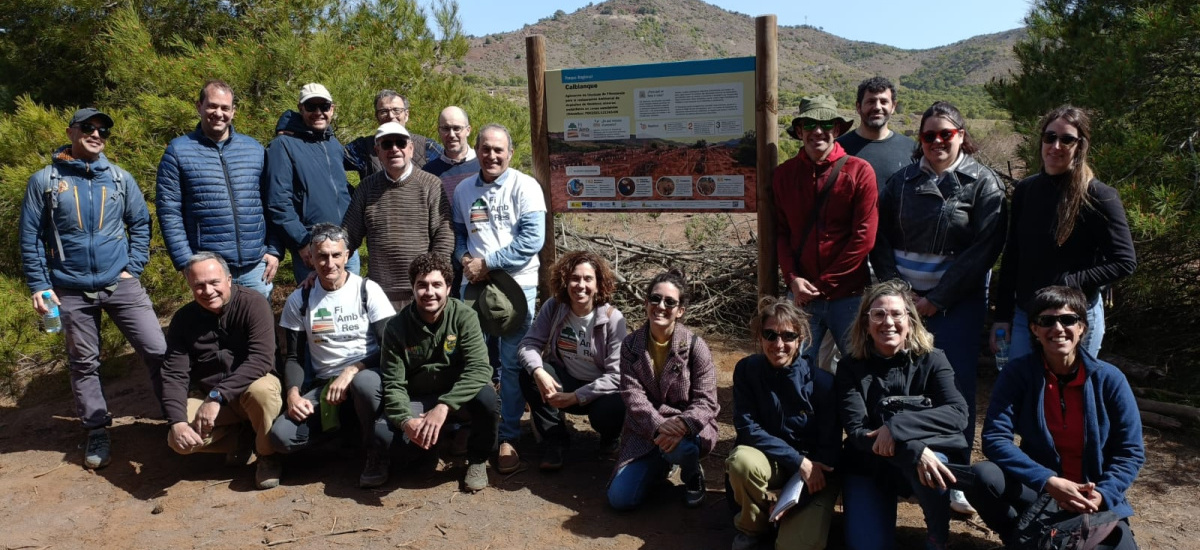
x,y
435,366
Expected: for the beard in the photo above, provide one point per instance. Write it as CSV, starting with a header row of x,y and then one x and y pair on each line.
x,y
875,122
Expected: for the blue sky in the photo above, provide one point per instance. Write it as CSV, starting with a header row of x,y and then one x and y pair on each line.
x,y
909,24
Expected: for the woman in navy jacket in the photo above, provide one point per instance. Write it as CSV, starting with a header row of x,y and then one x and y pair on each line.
x,y
1081,435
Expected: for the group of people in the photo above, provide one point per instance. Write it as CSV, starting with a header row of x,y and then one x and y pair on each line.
x,y
440,341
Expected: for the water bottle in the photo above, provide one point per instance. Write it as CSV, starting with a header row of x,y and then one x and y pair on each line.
x,y
1001,349
51,322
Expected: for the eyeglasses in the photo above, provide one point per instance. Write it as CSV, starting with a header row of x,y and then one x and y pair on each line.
x,y
879,315
787,336
946,134
338,234
810,125
314,107
387,144
394,111
1048,321
452,129
665,302
1067,140
87,128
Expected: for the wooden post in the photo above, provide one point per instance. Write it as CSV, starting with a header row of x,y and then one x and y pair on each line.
x,y
535,54
766,113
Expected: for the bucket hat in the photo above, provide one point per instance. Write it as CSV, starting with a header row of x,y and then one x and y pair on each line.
x,y
820,107
500,303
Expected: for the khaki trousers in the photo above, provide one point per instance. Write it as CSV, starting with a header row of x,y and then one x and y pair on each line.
x,y
259,404
752,475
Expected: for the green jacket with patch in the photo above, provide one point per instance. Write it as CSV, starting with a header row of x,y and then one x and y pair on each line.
x,y
448,359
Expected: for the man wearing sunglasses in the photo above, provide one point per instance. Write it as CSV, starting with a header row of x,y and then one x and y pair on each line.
x,y
305,182
401,211
390,106
85,238
825,219
209,195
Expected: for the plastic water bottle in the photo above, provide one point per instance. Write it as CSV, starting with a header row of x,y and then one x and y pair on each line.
x,y
51,322
1001,349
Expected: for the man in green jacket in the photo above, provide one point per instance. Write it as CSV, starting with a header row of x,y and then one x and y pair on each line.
x,y
435,366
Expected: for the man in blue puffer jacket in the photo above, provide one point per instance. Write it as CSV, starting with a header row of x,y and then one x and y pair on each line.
x,y
85,238
305,182
210,196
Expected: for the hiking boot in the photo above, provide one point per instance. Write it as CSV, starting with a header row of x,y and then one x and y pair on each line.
x,y
693,494
507,459
742,541
266,474
552,457
375,472
476,479
98,450
958,503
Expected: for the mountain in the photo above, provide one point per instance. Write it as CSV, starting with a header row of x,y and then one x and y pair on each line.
x,y
622,32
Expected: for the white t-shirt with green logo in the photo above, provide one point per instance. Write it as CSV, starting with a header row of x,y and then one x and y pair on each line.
x,y
574,346
490,211
337,327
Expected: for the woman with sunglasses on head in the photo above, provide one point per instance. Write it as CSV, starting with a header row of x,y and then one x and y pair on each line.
x,y
669,385
1067,229
785,414
1081,433
571,356
942,224
902,415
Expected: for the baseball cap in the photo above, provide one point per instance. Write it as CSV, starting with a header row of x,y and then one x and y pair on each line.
x,y
391,129
89,113
312,90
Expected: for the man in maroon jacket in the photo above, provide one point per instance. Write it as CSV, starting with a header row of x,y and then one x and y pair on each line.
x,y
824,226
222,345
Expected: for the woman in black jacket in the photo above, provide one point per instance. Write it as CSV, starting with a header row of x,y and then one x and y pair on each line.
x,y
896,445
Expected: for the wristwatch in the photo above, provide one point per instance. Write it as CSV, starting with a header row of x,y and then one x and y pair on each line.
x,y
215,395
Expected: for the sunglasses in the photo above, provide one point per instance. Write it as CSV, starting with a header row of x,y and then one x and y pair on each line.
x,y
394,111
1048,321
314,107
322,236
665,302
879,315
1067,140
87,128
946,134
810,125
787,336
387,144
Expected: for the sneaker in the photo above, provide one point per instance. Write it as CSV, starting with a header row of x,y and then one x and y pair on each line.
x,y
552,457
507,459
476,479
375,472
98,449
958,503
693,494
742,541
266,475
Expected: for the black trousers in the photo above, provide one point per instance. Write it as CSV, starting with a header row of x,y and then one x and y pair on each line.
x,y
482,411
606,413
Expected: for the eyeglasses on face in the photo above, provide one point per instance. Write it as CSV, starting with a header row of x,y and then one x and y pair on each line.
x,y
810,125
452,129
946,134
787,336
87,128
387,144
1067,140
314,107
879,315
394,111
1048,321
665,302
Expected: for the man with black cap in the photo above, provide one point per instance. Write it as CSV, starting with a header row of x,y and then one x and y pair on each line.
x,y
401,211
85,238
305,182
825,219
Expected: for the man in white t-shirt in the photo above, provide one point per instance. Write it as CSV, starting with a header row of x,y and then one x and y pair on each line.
x,y
333,332
499,218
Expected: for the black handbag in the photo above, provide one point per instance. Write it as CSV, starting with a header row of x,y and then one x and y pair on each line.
x,y
1044,526
893,405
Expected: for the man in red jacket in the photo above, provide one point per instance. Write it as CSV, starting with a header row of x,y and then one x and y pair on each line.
x,y
825,226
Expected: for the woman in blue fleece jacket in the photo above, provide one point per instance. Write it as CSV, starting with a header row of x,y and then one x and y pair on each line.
x,y
1081,435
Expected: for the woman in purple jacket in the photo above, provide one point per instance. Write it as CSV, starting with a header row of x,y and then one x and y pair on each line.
x,y
571,356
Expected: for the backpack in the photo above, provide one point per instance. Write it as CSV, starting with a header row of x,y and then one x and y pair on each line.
x,y
306,291
1044,526
48,176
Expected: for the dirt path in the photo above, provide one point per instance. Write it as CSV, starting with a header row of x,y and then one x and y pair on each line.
x,y
150,498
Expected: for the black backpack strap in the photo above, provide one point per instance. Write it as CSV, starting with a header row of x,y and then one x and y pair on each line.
x,y
363,294
49,180
821,196
304,293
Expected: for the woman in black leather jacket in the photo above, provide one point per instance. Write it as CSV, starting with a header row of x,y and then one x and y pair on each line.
x,y
942,224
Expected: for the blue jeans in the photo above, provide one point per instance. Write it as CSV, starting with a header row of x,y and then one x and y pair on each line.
x,y
512,401
830,315
1022,342
870,511
302,271
956,331
251,277
628,487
